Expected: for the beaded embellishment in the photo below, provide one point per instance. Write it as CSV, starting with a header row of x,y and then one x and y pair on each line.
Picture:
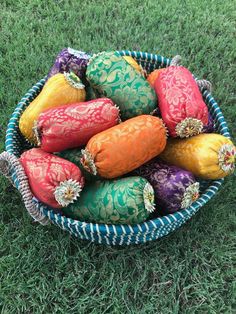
x,y
191,194
227,157
79,54
36,133
67,192
189,127
88,162
73,80
148,196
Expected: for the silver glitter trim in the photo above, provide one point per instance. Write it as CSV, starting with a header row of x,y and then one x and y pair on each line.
x,y
88,162
148,196
36,133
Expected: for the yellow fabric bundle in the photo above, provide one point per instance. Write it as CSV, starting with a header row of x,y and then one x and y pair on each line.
x,y
209,156
60,89
134,64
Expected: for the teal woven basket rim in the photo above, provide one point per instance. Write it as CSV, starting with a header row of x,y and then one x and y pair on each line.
x,y
119,234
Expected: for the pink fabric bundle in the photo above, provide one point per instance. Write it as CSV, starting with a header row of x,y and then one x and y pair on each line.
x,y
180,101
72,126
53,180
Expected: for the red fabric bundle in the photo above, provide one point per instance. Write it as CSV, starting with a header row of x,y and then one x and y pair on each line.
x,y
53,180
72,126
180,101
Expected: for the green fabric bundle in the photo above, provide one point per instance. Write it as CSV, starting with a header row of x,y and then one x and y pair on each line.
x,y
123,201
113,77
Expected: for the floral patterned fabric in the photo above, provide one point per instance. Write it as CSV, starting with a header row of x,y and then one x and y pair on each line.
x,y
47,174
61,89
125,147
112,76
70,60
72,126
179,99
169,183
206,155
113,201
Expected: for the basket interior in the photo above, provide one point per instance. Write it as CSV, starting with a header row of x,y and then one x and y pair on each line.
x,y
119,234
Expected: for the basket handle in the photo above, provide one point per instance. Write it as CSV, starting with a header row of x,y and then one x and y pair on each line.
x,y
9,161
204,84
175,61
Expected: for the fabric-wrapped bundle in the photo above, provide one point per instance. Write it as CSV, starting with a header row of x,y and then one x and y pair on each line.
x,y
93,94
153,76
134,64
208,156
124,147
113,77
180,101
61,89
210,127
54,181
124,201
71,126
174,187
70,60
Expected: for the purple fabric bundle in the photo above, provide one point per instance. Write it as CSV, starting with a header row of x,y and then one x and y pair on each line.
x,y
174,187
70,60
209,128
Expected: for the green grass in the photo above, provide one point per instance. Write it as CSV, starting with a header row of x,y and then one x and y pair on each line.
x,y
43,269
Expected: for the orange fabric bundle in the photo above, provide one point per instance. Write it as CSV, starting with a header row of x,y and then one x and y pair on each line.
x,y
153,76
124,147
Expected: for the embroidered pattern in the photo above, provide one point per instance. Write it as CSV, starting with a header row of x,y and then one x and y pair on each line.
x,y
169,184
46,171
79,54
70,60
126,146
36,133
72,126
208,156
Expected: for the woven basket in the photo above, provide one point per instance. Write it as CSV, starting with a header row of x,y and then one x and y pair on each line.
x,y
116,234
